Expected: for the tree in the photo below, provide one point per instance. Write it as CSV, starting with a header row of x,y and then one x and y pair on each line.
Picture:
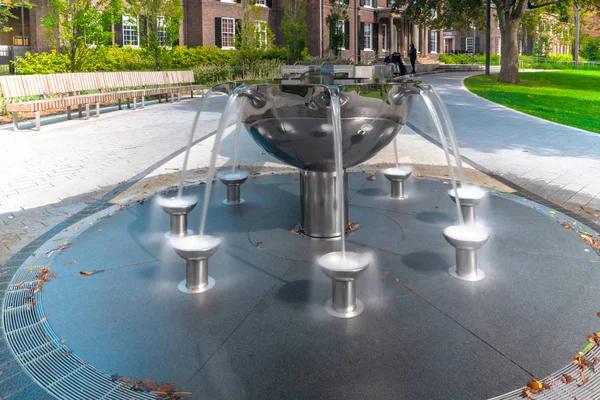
x,y
336,21
75,26
112,14
158,21
293,28
253,36
458,13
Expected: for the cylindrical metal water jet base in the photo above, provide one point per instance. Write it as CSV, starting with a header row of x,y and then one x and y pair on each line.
x,y
196,277
468,213
178,225
233,195
397,190
318,204
466,266
343,302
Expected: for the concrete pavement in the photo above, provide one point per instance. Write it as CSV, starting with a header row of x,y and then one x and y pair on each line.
x,y
553,161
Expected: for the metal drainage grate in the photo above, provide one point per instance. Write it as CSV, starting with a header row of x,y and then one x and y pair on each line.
x,y
565,391
39,350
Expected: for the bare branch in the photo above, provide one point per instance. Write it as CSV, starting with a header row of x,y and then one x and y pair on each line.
x,y
533,6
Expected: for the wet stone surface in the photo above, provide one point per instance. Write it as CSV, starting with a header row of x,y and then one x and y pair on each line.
x,y
262,332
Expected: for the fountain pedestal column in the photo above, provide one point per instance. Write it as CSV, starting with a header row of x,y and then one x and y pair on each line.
x,y
318,204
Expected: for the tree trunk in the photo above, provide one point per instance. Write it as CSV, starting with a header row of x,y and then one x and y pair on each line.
x,y
509,69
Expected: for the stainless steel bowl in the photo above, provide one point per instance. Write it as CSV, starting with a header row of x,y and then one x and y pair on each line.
x,y
291,119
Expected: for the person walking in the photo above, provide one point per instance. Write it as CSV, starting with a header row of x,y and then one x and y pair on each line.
x,y
413,57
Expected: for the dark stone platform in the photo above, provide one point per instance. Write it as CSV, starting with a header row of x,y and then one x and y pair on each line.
x,y
262,333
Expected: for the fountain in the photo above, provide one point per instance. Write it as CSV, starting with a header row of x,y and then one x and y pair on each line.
x,y
469,197
178,208
264,324
397,176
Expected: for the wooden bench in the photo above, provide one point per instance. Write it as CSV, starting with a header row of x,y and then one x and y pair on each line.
x,y
65,90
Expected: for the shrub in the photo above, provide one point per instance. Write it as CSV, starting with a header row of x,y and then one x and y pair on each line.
x,y
42,63
210,75
590,48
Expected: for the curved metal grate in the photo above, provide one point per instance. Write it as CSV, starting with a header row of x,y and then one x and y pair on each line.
x,y
41,353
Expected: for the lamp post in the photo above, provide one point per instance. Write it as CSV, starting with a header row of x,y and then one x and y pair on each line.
x,y
358,35
22,24
488,27
576,52
473,48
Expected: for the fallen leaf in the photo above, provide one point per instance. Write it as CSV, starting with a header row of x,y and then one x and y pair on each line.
x,y
43,319
2,371
598,314
351,227
258,245
31,269
372,176
87,273
70,262
20,283
566,378
125,380
165,387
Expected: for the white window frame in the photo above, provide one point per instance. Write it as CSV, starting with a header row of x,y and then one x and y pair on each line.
x,y
261,31
232,33
341,26
227,1
368,38
433,41
131,25
261,3
161,28
384,29
498,45
368,3
469,43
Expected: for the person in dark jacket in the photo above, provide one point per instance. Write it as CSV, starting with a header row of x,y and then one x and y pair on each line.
x,y
413,56
397,59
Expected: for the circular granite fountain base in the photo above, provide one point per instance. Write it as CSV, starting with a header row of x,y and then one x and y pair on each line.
x,y
262,332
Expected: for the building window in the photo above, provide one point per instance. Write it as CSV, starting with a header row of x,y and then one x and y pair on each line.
x,y
161,31
384,29
261,33
497,23
341,30
433,41
498,45
261,3
368,36
227,32
469,44
130,31
367,3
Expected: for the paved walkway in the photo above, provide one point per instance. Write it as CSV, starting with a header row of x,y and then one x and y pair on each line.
x,y
556,162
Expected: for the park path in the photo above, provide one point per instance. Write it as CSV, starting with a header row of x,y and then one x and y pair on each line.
x,y
553,161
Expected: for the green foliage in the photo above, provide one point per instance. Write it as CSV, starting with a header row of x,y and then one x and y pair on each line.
x,y
294,30
338,15
159,25
78,26
467,59
210,75
106,58
254,37
6,12
541,47
590,48
42,63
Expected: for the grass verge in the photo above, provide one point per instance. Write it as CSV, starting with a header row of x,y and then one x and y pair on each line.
x,y
567,97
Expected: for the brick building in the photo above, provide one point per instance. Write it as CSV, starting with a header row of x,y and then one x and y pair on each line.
x,y
372,31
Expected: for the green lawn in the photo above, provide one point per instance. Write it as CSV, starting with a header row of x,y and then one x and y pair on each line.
x,y
567,97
